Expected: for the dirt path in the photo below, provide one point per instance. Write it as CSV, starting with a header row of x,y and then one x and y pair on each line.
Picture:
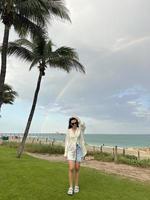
x,y
131,172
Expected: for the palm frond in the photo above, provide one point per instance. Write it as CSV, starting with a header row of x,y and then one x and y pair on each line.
x,y
67,52
9,94
57,8
35,10
25,43
1,7
34,62
40,11
40,44
2,3
22,52
78,66
48,48
39,52
23,26
66,64
65,58
60,63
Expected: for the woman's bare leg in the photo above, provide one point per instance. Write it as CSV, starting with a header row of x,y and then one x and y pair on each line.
x,y
71,171
77,168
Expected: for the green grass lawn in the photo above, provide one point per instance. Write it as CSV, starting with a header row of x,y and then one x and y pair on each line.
x,y
33,179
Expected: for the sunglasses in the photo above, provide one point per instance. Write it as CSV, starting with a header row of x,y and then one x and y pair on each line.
x,y
73,123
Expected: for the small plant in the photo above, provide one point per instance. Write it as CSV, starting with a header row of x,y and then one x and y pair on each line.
x,y
130,157
103,156
44,148
38,148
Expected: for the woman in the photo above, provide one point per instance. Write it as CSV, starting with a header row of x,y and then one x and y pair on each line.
x,y
75,151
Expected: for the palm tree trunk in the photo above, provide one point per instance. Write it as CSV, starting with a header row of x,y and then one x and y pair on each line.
x,y
3,62
21,147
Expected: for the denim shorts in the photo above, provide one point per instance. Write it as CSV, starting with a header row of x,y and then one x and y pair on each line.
x,y
78,153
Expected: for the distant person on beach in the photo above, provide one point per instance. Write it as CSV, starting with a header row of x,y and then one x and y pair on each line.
x,y
75,151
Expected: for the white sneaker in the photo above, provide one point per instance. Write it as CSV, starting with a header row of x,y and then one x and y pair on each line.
x,y
76,189
70,191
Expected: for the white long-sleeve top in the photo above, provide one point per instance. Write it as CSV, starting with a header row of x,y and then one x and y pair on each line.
x,y
72,138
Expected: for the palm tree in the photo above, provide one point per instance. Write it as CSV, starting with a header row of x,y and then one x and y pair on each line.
x,y
26,16
9,95
40,53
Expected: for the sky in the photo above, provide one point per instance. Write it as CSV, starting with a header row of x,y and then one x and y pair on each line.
x,y
112,38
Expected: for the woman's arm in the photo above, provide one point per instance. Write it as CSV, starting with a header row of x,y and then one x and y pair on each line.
x,y
81,124
82,142
66,143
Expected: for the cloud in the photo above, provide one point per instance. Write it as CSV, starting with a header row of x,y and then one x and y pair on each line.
x,y
112,38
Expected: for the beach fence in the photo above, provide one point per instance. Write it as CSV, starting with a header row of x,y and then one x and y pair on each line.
x,y
31,140
140,153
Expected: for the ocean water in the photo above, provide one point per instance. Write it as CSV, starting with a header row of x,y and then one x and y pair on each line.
x,y
121,140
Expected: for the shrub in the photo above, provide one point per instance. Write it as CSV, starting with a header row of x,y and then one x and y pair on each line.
x,y
103,156
130,157
38,148
44,148
10,144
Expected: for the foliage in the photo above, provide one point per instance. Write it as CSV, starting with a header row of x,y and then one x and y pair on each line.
x,y
29,16
38,148
40,52
44,148
103,156
124,159
9,94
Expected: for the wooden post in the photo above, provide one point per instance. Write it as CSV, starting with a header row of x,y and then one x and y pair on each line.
x,y
113,151
115,154
123,151
53,141
46,140
138,155
101,148
33,141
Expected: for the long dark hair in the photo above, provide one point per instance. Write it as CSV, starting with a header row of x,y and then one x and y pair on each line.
x,y
72,118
